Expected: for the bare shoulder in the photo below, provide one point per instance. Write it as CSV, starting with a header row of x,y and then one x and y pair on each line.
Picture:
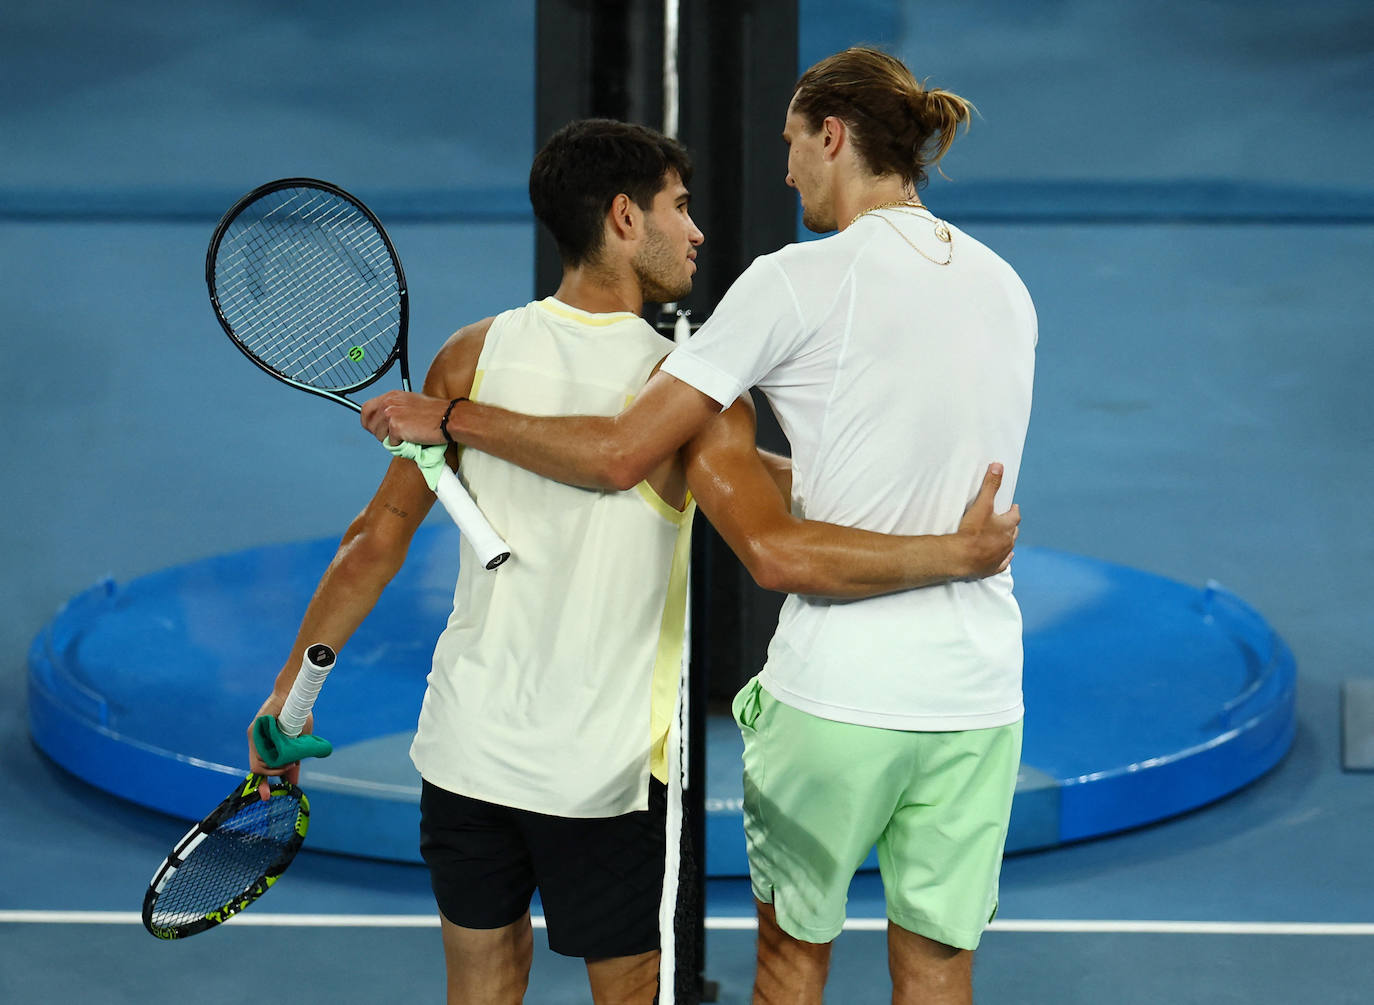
x,y
451,373
465,345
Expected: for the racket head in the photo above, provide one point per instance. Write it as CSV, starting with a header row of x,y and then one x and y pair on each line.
x,y
228,860
306,283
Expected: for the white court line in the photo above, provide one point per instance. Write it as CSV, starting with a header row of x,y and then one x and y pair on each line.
x,y
1066,926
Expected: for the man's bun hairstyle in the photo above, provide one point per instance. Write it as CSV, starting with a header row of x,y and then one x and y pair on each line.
x,y
897,124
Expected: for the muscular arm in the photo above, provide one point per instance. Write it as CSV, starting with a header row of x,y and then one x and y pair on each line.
x,y
599,452
735,490
779,469
374,547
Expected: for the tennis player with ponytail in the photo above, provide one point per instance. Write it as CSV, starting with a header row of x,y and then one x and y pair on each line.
x,y
898,355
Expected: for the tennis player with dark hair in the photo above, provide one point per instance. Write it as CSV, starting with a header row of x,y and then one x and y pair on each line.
x,y
541,741
899,356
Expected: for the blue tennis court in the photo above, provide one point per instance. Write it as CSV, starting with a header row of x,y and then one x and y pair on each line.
x,y
1185,196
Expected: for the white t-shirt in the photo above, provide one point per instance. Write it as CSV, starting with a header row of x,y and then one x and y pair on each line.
x,y
897,381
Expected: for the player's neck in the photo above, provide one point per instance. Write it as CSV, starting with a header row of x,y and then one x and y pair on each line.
x,y
600,291
866,193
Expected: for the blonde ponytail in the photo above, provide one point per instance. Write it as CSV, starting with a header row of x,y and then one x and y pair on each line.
x,y
942,113
898,125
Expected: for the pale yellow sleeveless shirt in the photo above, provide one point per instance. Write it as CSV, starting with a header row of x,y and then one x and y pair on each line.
x,y
553,683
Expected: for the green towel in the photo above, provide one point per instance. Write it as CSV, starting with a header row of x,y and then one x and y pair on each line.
x,y
278,750
430,460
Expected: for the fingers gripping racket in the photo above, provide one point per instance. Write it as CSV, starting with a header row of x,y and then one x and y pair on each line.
x,y
235,855
307,284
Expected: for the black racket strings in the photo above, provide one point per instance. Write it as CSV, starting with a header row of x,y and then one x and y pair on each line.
x,y
309,287
233,858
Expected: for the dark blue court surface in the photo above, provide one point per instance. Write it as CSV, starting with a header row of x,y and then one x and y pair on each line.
x,y
1147,697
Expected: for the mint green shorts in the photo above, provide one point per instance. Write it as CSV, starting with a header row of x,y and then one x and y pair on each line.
x,y
818,795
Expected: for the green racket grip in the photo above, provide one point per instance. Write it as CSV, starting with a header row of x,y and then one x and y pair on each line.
x,y
277,750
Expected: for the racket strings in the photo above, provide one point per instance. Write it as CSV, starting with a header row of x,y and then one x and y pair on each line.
x,y
323,304
311,340
308,285
229,862
325,241
304,340
329,266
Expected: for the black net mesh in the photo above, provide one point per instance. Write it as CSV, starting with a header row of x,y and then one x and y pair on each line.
x,y
308,285
688,921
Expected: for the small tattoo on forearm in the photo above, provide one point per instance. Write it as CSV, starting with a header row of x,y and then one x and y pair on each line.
x,y
395,509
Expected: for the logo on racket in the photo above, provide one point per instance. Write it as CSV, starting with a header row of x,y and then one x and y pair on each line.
x,y
356,353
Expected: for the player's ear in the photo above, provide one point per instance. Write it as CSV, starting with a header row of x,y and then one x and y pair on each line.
x,y
623,218
833,134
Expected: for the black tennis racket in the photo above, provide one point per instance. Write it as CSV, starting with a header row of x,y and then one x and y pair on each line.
x,y
306,283
235,855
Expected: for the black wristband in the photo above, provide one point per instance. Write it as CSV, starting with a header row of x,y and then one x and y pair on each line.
x,y
443,423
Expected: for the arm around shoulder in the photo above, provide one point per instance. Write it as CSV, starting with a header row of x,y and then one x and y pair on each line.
x,y
612,453
737,494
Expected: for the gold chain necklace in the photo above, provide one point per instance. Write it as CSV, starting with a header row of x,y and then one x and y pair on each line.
x,y
909,206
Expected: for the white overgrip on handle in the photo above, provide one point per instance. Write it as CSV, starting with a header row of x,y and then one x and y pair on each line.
x,y
315,667
491,550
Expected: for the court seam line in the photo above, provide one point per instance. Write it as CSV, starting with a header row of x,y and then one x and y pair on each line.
x,y
727,923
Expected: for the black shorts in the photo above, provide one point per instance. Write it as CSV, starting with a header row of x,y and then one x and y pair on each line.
x,y
600,879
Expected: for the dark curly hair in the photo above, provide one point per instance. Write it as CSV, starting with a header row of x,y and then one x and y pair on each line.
x,y
585,165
